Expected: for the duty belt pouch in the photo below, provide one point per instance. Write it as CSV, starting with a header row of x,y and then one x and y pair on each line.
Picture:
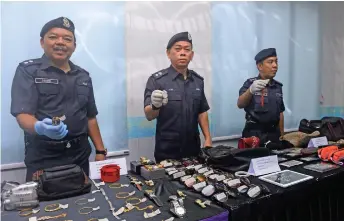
x,y
62,182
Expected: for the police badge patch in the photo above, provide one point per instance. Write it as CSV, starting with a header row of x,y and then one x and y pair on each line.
x,y
189,37
66,22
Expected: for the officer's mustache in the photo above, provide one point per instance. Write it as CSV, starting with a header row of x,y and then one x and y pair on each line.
x,y
60,48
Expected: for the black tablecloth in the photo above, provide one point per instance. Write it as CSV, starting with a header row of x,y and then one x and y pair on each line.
x,y
164,188
319,199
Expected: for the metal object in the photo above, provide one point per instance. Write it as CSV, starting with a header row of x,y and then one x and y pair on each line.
x,y
151,195
177,206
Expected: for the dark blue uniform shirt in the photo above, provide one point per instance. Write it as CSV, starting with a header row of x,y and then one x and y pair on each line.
x,y
45,91
269,111
177,133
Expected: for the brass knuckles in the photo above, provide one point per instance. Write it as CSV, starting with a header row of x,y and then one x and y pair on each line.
x,y
77,202
126,194
28,211
88,210
117,185
55,207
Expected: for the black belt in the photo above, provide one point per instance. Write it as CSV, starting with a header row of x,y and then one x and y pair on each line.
x,y
65,141
261,126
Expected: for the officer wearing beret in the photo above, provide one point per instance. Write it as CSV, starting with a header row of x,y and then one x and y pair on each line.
x,y
262,99
175,97
52,86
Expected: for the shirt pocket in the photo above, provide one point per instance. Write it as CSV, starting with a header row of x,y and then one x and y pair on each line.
x,y
83,88
259,106
48,95
174,104
196,100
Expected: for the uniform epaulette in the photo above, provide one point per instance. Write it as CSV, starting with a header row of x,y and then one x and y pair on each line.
x,y
196,75
277,82
31,62
78,67
159,74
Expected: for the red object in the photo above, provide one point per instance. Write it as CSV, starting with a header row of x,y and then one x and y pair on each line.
x,y
110,173
249,142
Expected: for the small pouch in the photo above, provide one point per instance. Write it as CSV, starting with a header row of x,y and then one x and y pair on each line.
x,y
62,182
337,157
325,153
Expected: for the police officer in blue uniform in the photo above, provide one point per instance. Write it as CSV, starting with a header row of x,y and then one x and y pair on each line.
x,y
175,97
262,99
52,86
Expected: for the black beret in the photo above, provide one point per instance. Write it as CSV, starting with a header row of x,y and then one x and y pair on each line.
x,y
265,53
182,36
61,22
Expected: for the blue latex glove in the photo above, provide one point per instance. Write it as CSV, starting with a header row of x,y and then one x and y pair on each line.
x,y
46,128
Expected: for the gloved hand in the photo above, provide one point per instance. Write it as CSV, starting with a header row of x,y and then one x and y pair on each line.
x,y
46,128
258,85
159,98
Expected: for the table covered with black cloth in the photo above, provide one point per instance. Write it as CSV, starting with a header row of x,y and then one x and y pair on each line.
x,y
163,188
319,199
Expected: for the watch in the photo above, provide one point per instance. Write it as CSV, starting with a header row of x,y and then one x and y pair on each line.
x,y
104,152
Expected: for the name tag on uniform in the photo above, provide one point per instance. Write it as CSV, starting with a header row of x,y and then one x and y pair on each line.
x,y
279,95
260,93
46,81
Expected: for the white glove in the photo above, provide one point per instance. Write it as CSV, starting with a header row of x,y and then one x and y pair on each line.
x,y
258,85
159,98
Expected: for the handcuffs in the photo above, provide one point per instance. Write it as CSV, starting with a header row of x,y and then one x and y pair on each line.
x,y
177,206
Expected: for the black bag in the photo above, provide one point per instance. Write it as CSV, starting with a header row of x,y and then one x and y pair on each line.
x,y
231,159
332,128
309,126
62,182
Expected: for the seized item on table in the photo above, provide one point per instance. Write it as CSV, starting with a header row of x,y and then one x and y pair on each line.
x,y
55,207
34,218
177,206
117,185
151,195
149,182
28,211
83,201
202,204
123,195
110,173
88,210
